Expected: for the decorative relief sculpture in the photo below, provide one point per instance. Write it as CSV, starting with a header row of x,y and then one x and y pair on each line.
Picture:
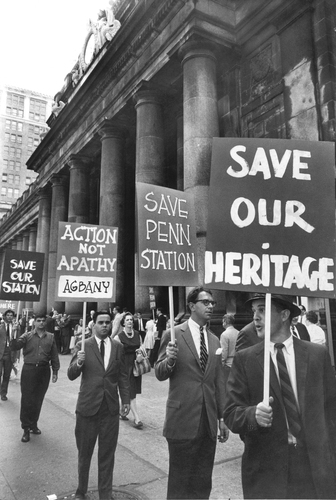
x,y
57,107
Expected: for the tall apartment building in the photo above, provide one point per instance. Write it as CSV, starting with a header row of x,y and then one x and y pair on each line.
x,y
23,115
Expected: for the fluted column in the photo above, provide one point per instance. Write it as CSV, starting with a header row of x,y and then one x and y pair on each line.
x,y
59,212
149,163
200,126
42,245
112,195
32,235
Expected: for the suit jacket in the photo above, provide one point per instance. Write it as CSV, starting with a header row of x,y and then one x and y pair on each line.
x,y
3,336
97,382
247,337
303,332
189,387
265,458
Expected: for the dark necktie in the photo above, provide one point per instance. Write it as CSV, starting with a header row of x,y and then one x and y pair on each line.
x,y
8,335
288,397
203,351
102,349
294,332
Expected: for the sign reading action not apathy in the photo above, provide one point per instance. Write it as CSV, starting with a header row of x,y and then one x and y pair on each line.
x,y
271,223
86,262
166,236
22,275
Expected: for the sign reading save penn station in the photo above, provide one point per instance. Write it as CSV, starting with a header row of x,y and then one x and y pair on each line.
x,y
271,224
86,262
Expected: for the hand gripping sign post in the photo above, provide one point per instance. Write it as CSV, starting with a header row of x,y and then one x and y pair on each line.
x,y
86,264
166,235
271,225
22,276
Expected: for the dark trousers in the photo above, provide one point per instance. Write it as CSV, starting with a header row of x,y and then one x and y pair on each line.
x,y
106,427
57,336
5,371
65,339
155,352
34,384
191,464
300,483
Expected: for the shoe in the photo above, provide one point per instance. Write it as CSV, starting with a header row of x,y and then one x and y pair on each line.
x,y
138,425
4,398
122,417
35,430
80,496
25,438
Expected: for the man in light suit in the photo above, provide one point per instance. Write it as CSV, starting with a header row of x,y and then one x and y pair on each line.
x,y
103,370
195,401
8,331
290,443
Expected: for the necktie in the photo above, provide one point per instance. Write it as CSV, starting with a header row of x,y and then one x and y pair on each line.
x,y
102,349
288,397
294,332
8,335
203,351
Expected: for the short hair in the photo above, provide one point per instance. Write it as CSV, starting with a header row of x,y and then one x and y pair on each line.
x,y
117,308
312,317
98,313
40,315
127,313
194,293
229,319
9,311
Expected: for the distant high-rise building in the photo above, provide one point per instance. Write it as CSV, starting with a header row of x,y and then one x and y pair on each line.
x,y
23,115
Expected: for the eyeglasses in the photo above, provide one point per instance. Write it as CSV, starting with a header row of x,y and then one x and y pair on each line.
x,y
207,302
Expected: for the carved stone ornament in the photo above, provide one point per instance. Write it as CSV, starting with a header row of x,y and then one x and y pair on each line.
x,y
261,64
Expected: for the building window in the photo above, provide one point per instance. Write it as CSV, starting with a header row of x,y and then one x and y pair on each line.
x,y
11,178
13,138
5,163
17,180
6,150
37,110
18,153
16,193
15,104
17,165
19,139
36,142
11,151
11,164
3,192
19,126
10,193
7,136
8,124
4,177
28,181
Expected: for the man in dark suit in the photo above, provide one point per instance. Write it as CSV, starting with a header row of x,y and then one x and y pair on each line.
x,y
247,337
103,370
8,331
290,441
299,330
195,401
140,325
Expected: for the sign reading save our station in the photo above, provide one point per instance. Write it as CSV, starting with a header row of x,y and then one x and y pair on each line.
x,y
86,262
271,225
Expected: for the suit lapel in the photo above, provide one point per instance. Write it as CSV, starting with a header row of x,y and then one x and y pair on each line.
x,y
186,335
92,343
274,382
112,355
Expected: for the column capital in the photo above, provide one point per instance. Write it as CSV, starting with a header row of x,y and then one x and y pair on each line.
x,y
58,180
42,192
112,129
197,48
78,161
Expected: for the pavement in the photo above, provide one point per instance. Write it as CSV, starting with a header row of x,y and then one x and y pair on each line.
x,y
46,467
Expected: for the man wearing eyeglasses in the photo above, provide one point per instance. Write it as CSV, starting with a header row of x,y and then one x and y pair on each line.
x,y
195,400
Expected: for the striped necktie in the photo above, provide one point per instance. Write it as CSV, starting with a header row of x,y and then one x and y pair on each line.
x,y
203,351
292,412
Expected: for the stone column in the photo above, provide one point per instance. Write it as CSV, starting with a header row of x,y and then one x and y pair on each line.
x,y
112,196
32,248
19,242
14,244
200,126
149,164
25,240
42,245
78,211
59,213
180,187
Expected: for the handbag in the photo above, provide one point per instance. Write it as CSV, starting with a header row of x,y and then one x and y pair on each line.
x,y
141,362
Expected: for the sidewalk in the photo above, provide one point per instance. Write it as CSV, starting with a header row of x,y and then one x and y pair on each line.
x,y
47,465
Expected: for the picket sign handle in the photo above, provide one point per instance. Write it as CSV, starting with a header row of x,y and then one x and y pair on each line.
x,y
84,325
171,314
267,346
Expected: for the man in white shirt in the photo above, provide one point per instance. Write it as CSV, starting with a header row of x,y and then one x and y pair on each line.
x,y
316,333
290,442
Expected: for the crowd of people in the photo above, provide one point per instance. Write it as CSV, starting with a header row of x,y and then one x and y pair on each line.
x,y
215,385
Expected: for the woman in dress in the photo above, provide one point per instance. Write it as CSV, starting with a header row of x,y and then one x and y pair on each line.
x,y
131,341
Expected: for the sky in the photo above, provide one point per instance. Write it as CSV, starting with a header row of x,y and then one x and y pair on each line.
x,y
40,41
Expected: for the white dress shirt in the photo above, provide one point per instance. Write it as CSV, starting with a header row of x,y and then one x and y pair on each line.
x,y
108,348
195,333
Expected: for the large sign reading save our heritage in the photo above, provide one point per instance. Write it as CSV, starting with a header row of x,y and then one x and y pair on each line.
x,y
86,262
271,223
22,275
166,235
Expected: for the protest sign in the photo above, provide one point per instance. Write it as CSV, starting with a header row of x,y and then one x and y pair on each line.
x,y
271,224
86,262
22,275
166,235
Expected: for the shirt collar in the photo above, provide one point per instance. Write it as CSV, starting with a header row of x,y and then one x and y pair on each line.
x,y
196,325
288,343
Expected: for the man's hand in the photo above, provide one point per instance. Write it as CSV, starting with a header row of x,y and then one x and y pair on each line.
x,y
125,409
223,431
264,414
171,352
80,358
54,377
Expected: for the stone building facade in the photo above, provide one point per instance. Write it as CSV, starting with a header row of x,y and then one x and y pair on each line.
x,y
143,104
